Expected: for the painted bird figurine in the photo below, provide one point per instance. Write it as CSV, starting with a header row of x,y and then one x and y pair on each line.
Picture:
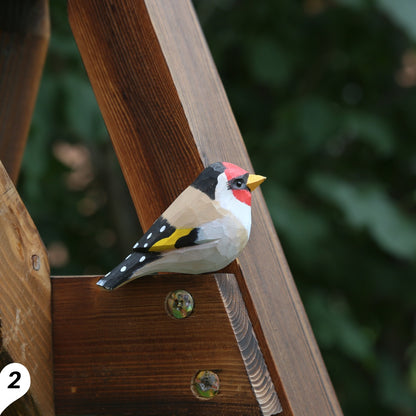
x,y
203,230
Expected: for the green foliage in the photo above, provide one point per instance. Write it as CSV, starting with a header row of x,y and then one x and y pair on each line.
x,y
367,206
325,95
402,12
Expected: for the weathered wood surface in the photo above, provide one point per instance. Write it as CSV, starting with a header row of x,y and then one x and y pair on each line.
x,y
168,116
24,38
25,313
120,353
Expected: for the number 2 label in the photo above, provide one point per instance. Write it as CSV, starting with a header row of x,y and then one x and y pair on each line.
x,y
14,383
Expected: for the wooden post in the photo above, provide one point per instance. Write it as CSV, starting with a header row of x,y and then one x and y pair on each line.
x,y
24,38
168,116
25,298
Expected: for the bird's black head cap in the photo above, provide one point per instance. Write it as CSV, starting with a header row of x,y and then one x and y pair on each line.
x,y
207,180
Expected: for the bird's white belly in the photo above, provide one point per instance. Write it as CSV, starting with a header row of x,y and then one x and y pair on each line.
x,y
218,244
196,259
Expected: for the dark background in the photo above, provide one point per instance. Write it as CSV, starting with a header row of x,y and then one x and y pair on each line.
x,y
324,94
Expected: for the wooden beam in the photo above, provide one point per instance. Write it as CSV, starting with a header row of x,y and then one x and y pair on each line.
x,y
25,297
168,115
121,353
24,38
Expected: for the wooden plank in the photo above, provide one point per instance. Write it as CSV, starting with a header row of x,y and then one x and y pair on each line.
x,y
165,156
167,114
24,38
121,353
25,314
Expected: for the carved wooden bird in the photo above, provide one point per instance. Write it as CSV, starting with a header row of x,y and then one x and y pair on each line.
x,y
203,230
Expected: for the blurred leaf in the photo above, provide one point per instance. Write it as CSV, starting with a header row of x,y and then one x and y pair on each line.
x,y
269,62
371,129
303,228
63,45
393,390
403,12
43,121
335,328
311,120
82,111
368,206
316,121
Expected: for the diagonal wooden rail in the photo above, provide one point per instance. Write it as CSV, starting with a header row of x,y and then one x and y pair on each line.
x,y
24,39
168,116
25,302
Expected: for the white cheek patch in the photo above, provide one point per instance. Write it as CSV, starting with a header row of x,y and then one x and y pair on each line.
x,y
229,202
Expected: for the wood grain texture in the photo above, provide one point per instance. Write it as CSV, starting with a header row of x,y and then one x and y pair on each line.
x,y
145,119
256,367
24,38
120,353
168,114
25,312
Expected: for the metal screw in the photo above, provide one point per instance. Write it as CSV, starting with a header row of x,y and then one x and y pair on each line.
x,y
205,384
179,304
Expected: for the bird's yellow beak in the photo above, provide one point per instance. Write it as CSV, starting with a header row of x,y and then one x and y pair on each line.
x,y
254,181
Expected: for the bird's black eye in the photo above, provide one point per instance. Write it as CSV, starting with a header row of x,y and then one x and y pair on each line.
x,y
239,183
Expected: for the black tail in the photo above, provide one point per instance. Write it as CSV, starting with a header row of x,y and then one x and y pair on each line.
x,y
126,270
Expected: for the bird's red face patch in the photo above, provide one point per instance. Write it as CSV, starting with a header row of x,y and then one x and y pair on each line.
x,y
232,172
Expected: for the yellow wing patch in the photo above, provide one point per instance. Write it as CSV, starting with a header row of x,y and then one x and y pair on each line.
x,y
168,243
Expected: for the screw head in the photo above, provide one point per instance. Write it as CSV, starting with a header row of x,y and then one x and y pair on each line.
x,y
179,304
205,384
